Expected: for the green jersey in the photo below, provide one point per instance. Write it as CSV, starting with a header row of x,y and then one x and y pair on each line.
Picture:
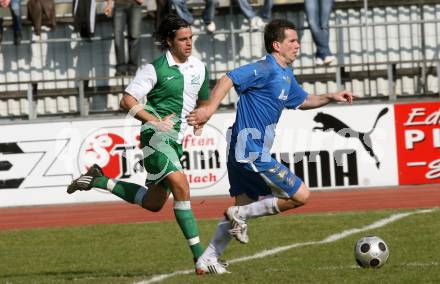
x,y
171,88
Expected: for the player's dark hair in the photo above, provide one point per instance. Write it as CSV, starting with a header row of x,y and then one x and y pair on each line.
x,y
167,30
274,31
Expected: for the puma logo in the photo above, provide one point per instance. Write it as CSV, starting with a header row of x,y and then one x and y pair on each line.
x,y
331,123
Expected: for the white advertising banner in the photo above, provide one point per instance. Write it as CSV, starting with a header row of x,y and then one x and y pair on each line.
x,y
335,147
328,148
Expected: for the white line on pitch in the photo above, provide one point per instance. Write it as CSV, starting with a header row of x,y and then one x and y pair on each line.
x,y
329,239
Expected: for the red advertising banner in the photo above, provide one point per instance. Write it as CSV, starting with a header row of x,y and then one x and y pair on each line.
x,y
418,142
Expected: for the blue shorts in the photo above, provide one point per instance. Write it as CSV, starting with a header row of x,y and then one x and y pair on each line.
x,y
278,180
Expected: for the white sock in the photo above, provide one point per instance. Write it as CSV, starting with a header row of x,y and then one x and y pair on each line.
x,y
264,207
219,242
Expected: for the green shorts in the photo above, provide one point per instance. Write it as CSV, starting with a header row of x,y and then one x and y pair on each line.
x,y
162,156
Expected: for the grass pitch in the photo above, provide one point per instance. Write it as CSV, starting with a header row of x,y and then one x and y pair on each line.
x,y
136,252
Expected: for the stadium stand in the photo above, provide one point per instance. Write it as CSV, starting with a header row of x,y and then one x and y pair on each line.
x,y
385,50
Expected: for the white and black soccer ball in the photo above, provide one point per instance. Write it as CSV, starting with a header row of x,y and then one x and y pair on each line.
x,y
371,252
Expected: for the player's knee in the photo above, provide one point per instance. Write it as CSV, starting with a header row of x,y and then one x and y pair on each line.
x,y
301,197
182,188
153,207
181,191
304,198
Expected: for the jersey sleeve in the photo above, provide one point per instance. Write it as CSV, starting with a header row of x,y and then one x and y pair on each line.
x,y
245,76
204,89
143,82
297,95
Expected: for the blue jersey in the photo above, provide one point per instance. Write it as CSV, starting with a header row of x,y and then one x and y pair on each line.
x,y
265,89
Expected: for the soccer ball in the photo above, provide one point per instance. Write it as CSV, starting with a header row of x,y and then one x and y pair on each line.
x,y
371,252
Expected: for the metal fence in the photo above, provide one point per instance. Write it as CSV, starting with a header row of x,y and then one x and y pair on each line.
x,y
385,51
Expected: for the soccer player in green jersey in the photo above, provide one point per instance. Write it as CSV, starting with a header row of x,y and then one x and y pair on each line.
x,y
174,84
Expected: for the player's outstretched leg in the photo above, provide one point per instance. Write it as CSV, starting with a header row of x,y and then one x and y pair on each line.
x,y
271,205
288,192
130,192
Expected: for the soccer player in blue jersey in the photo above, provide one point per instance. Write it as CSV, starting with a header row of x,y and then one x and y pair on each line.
x,y
265,88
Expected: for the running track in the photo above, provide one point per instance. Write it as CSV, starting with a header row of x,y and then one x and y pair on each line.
x,y
213,207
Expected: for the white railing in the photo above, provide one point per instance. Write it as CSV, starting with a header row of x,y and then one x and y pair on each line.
x,y
383,52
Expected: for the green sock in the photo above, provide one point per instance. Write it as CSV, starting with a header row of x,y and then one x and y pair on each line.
x,y
130,192
100,182
188,225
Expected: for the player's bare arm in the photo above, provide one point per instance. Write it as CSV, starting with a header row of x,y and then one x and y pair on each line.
x,y
198,128
132,106
201,114
314,101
